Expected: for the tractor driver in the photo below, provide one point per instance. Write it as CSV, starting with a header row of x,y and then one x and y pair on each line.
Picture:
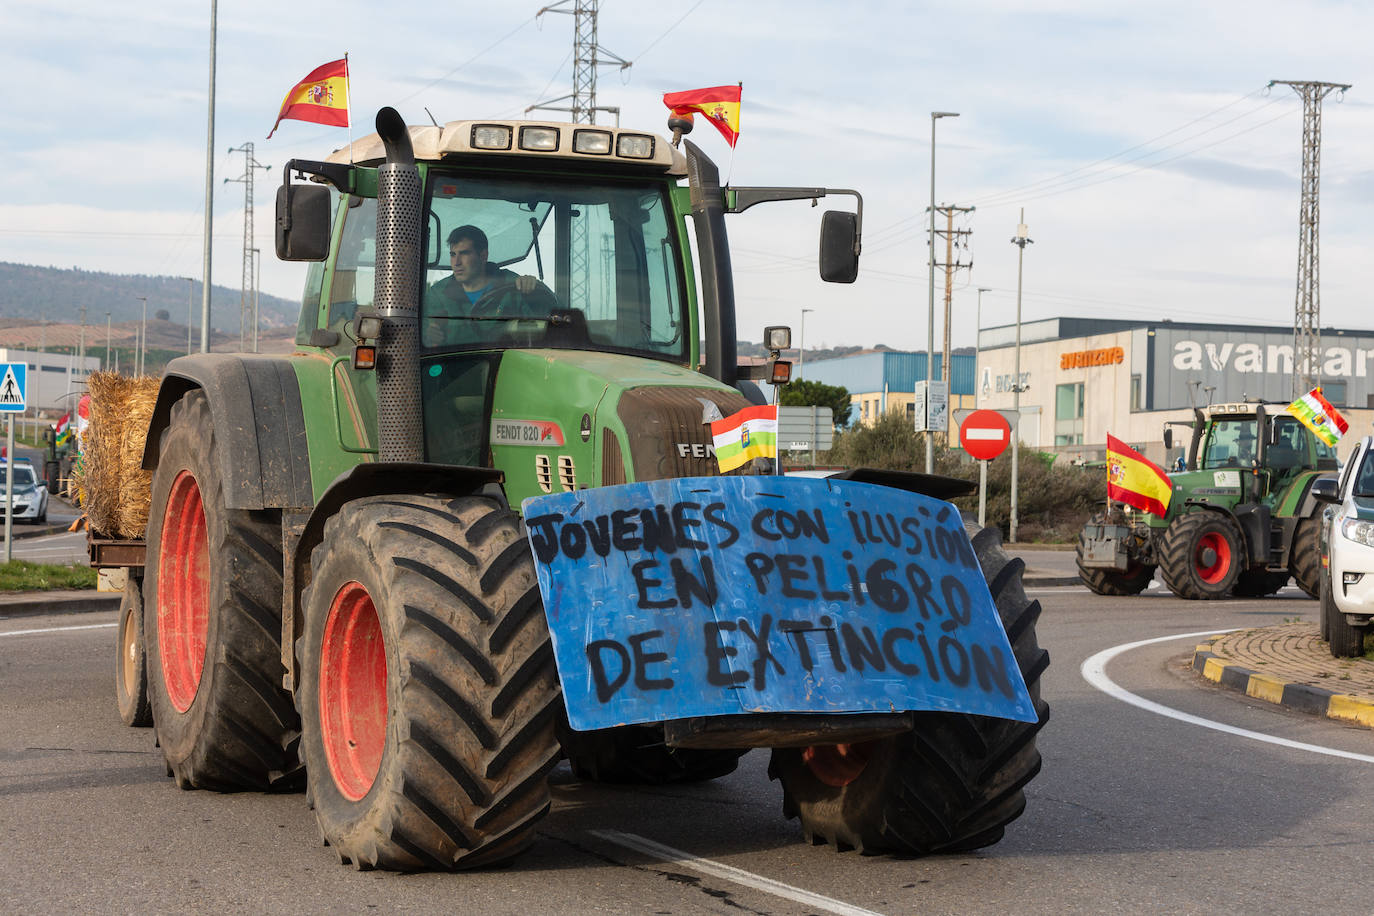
x,y
479,289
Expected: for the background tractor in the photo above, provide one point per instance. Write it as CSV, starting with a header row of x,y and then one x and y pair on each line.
x,y
338,588
1241,519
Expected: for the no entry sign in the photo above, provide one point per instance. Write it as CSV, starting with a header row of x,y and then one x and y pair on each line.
x,y
985,434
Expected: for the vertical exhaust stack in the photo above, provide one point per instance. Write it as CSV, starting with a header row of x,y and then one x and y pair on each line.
x,y
398,294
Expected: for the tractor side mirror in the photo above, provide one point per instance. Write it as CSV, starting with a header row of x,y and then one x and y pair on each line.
x,y
1326,489
302,222
1168,439
839,247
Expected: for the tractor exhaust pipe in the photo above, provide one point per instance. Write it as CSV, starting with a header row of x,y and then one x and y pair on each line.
x,y
397,297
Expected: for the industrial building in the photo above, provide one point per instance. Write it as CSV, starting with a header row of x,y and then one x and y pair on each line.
x,y
1083,378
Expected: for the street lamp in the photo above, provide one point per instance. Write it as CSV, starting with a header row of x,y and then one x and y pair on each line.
x,y
930,317
1021,241
801,346
143,338
190,300
977,342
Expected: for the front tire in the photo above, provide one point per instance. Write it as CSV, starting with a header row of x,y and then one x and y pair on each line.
x,y
1201,555
951,784
428,692
1345,640
212,631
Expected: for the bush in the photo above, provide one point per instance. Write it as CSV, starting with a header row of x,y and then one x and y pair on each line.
x,y
1053,500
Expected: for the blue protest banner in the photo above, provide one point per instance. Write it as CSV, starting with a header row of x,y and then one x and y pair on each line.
x,y
723,595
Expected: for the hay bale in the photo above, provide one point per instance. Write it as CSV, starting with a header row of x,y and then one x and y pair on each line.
x,y
114,486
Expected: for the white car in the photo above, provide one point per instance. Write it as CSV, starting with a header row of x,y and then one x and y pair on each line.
x,y
1347,584
30,500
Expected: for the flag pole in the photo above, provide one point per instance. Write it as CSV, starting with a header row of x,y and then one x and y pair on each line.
x,y
730,168
348,92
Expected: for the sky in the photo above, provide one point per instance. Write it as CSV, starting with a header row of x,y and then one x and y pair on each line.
x,y
1158,176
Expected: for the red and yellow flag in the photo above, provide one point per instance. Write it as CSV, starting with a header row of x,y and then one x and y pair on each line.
x,y
322,97
720,105
1135,480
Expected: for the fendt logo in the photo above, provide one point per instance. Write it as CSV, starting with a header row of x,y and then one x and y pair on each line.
x,y
696,450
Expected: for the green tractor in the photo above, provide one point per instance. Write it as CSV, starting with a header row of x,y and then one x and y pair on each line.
x,y
340,590
1241,519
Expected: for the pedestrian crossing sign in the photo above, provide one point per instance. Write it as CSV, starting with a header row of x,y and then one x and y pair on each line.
x,y
13,387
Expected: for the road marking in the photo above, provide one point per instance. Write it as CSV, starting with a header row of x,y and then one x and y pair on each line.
x,y
1094,671
729,873
89,626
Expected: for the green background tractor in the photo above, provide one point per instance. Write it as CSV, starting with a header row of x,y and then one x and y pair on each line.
x,y
1241,517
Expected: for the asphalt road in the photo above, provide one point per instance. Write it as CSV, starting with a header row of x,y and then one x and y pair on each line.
x,y
1134,811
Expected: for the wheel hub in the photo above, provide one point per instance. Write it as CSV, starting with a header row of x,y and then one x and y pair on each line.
x,y
838,764
183,592
352,693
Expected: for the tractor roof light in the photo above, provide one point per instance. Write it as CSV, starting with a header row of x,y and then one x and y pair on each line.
x,y
539,139
777,337
490,136
592,142
635,146
782,372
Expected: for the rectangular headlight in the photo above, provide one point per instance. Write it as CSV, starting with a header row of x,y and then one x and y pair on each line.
x,y
635,146
490,136
777,337
542,139
592,142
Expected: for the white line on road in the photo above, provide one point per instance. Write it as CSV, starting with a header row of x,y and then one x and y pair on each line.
x,y
89,626
729,873
1094,671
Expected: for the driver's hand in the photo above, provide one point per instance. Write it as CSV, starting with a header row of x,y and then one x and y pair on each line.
x,y
525,284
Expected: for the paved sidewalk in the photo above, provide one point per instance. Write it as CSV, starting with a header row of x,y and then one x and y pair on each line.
x,y
1288,664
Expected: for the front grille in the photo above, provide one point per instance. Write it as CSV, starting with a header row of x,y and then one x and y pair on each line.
x,y
667,437
612,462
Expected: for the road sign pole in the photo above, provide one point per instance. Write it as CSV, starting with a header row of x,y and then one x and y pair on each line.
x,y
982,494
9,489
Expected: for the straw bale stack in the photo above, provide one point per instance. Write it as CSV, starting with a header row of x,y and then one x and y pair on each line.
x,y
113,483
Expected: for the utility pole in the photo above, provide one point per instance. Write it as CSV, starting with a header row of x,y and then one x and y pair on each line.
x,y
246,287
1021,240
587,56
1307,332
950,265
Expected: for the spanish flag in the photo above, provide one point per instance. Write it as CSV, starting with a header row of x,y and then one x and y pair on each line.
x,y
720,105
322,97
1134,480
740,437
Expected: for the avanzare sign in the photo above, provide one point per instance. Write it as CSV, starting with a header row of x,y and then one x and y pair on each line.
x,y
1082,359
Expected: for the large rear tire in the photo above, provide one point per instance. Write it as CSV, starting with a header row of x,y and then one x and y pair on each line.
x,y
428,692
951,784
131,662
1201,555
212,630
1345,640
1306,562
636,755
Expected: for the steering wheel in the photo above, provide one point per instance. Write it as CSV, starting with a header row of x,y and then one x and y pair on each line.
x,y
537,303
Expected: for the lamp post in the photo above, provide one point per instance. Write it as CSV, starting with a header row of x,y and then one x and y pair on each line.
x,y
143,338
1021,241
190,301
108,365
977,342
930,317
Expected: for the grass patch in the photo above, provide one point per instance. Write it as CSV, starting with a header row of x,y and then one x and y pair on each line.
x,y
22,576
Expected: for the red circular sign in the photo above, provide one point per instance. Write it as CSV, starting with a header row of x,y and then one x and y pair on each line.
x,y
985,434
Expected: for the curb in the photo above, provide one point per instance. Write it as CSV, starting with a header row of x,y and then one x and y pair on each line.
x,y
37,605
1298,697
